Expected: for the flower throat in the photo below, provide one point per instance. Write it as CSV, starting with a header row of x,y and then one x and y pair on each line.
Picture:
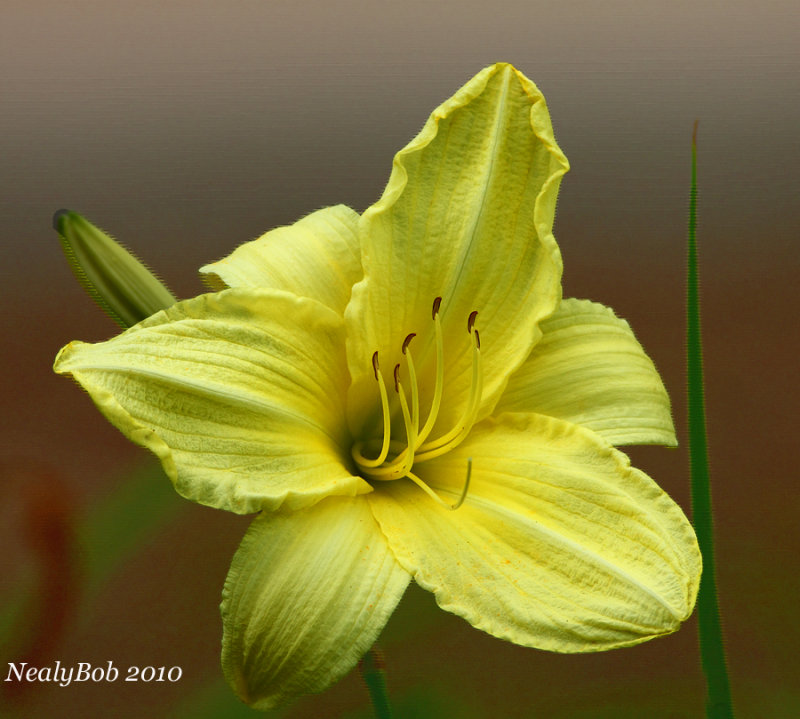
x,y
417,448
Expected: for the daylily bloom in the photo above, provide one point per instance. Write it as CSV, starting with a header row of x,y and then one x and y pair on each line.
x,y
404,394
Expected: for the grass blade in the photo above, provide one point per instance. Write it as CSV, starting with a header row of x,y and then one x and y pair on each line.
x,y
712,652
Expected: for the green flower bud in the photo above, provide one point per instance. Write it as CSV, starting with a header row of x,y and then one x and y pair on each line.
x,y
123,287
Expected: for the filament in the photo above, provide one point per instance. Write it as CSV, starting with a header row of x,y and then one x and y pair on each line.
x,y
412,378
459,432
358,456
401,465
438,387
431,493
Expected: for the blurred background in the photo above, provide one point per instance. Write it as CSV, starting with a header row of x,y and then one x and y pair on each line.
x,y
186,128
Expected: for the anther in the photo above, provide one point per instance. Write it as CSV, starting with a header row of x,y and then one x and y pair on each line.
x,y
471,320
375,364
407,341
436,303
397,378
477,339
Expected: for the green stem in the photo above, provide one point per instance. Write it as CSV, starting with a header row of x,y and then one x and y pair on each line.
x,y
712,652
372,670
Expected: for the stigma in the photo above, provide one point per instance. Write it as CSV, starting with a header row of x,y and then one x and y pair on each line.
x,y
397,457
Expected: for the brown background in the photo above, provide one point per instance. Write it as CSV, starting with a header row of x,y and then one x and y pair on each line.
x,y
187,128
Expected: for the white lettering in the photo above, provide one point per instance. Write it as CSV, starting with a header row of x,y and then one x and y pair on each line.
x,y
12,669
113,673
65,679
64,675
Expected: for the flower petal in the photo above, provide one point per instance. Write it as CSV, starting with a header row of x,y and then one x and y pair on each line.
x,y
240,394
306,596
467,215
316,257
590,370
560,544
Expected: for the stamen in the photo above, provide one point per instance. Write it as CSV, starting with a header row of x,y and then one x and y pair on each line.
x,y
459,432
438,387
415,449
412,377
375,364
356,452
401,465
416,480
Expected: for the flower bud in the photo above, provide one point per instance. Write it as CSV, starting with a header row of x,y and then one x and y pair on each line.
x,y
113,277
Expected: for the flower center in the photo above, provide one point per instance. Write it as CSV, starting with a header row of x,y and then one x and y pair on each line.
x,y
397,457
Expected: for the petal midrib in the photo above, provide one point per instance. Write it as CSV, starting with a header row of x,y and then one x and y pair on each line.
x,y
581,550
469,234
250,401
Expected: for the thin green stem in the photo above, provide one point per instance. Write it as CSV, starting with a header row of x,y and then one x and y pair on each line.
x,y
372,670
712,652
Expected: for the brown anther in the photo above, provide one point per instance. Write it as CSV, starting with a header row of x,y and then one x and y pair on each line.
x,y
407,341
477,339
436,303
471,320
375,364
397,378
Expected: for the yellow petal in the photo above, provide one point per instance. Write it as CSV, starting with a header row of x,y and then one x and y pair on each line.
x,y
590,370
467,215
306,596
316,257
240,394
560,544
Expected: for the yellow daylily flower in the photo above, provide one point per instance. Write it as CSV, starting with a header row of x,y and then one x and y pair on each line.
x,y
404,394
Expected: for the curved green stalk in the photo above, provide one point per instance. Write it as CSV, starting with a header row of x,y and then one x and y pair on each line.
x,y
712,652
